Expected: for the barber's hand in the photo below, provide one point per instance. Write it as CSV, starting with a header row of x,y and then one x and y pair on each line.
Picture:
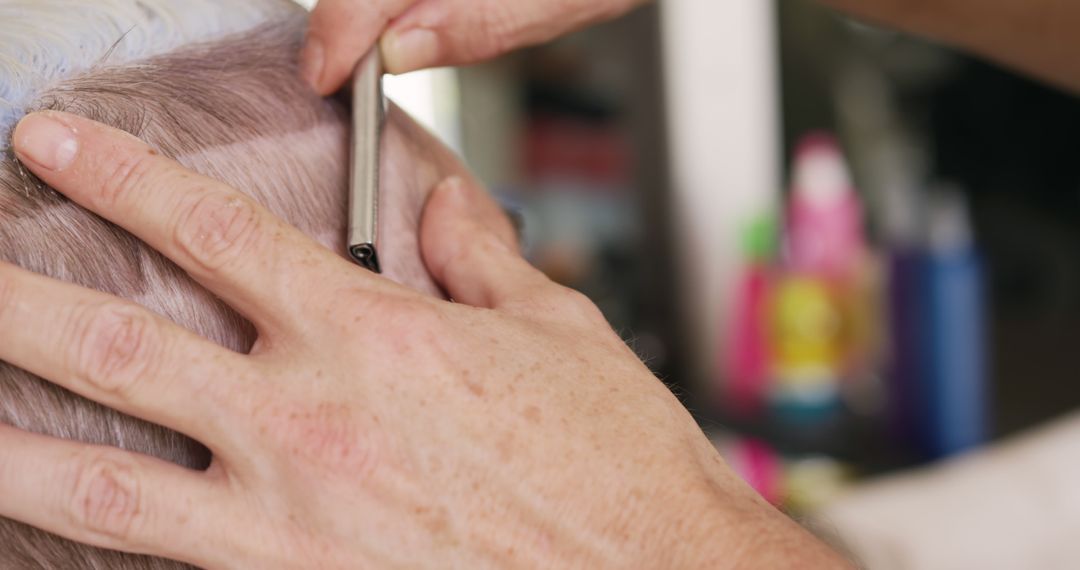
x,y
418,34
370,427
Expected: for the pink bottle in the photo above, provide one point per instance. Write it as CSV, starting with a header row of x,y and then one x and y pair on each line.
x,y
824,220
819,327
747,365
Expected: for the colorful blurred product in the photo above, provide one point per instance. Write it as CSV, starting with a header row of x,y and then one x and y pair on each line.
x,y
953,387
806,332
795,484
756,463
816,321
747,360
824,231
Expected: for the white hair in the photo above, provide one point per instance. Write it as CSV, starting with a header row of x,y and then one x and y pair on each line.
x,y
45,41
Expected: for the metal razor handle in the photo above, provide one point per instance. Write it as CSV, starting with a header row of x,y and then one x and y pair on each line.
x,y
368,116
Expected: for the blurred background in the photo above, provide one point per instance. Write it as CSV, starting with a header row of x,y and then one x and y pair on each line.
x,y
850,252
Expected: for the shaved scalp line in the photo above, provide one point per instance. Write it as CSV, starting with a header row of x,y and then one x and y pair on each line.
x,y
206,95
234,90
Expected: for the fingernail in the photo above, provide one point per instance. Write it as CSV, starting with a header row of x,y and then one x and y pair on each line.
x,y
312,59
47,142
409,50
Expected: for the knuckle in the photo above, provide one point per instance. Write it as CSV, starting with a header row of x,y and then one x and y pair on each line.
x,y
407,318
106,497
577,303
117,346
397,323
130,173
217,229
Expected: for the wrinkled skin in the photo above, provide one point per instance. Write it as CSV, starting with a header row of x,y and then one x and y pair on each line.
x,y
371,426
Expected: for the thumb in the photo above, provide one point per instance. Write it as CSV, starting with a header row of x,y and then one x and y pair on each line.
x,y
339,33
430,34
470,248
435,33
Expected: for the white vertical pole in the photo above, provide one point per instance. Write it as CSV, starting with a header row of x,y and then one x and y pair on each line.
x,y
723,107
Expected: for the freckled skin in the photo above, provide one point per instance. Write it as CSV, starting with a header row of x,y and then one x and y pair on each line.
x,y
532,413
380,427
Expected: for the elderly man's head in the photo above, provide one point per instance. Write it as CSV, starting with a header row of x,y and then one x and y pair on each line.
x,y
214,85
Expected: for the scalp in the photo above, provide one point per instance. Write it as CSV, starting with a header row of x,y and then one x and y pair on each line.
x,y
237,92
45,42
231,106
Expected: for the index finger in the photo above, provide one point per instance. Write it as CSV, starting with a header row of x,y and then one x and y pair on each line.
x,y
221,237
112,499
340,32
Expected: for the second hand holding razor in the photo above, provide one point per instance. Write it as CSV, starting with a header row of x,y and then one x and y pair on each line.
x,y
368,117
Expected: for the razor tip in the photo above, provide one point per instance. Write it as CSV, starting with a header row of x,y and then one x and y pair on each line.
x,y
365,256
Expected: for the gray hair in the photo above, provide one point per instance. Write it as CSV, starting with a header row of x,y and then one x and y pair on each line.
x,y
44,42
189,97
219,91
